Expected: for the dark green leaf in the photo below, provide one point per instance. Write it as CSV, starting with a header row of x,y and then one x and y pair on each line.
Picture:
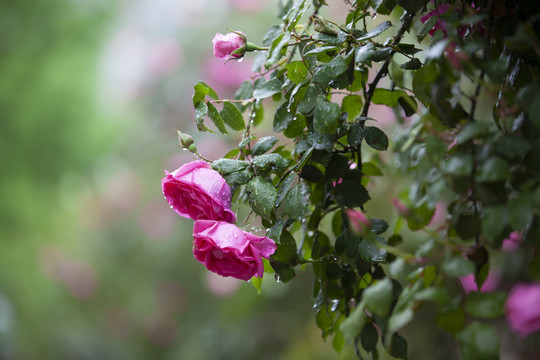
x,y
376,138
337,166
296,127
379,29
214,115
451,320
493,170
273,161
365,53
355,135
426,27
467,226
311,173
320,50
286,249
308,102
282,118
263,145
329,71
457,266
378,226
486,305
227,166
267,89
398,346
241,177
370,169
369,337
284,188
370,252
297,200
461,164
232,116
326,117
351,193
284,272
413,64
261,196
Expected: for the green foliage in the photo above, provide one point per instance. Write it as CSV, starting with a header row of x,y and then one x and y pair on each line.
x,y
482,165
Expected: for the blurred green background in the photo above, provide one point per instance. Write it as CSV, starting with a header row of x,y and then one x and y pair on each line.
x,y
93,263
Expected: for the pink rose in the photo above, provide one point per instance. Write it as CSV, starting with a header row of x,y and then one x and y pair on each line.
x,y
225,45
196,191
523,308
229,251
512,242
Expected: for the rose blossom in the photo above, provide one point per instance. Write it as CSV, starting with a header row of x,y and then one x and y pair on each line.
x,y
439,24
469,283
225,45
512,242
523,308
196,191
229,251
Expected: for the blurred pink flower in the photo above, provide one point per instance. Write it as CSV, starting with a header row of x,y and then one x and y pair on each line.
x,y
439,216
229,46
358,220
512,242
223,76
221,286
400,207
164,56
247,5
439,24
469,284
523,308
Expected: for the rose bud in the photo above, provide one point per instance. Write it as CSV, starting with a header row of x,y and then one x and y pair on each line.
x,y
359,221
229,251
196,191
523,308
231,45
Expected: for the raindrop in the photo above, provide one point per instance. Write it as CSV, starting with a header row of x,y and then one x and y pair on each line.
x,y
310,233
241,59
288,110
171,206
278,279
397,164
334,304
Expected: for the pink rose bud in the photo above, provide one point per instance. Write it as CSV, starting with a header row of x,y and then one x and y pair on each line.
x,y
359,221
229,251
196,191
230,45
400,207
523,308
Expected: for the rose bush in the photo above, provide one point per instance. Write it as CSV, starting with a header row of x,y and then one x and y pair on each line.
x,y
229,251
196,191
523,308
226,45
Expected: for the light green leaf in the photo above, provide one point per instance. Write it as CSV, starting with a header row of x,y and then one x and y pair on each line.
x,y
214,115
296,71
379,29
232,116
326,117
261,196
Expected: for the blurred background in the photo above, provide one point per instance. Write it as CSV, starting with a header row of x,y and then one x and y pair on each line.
x,y
93,263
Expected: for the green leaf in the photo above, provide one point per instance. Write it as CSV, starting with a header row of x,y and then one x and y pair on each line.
x,y
311,173
296,127
232,116
408,104
369,337
338,342
227,166
400,319
493,169
256,282
352,326
238,178
376,138
284,188
282,118
351,193
352,105
479,341
201,90
261,196
273,161
378,297
296,71
379,29
370,251
451,320
413,64
286,249
201,110
398,346
365,53
321,49
297,200
263,145
486,305
378,226
467,226
309,101
267,89
284,272
275,51
326,117
387,97
473,130
370,169
456,266
534,267
214,115
461,164
426,28
355,134
329,71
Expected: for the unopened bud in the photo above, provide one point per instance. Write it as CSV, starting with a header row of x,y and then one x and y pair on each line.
x,y
185,140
